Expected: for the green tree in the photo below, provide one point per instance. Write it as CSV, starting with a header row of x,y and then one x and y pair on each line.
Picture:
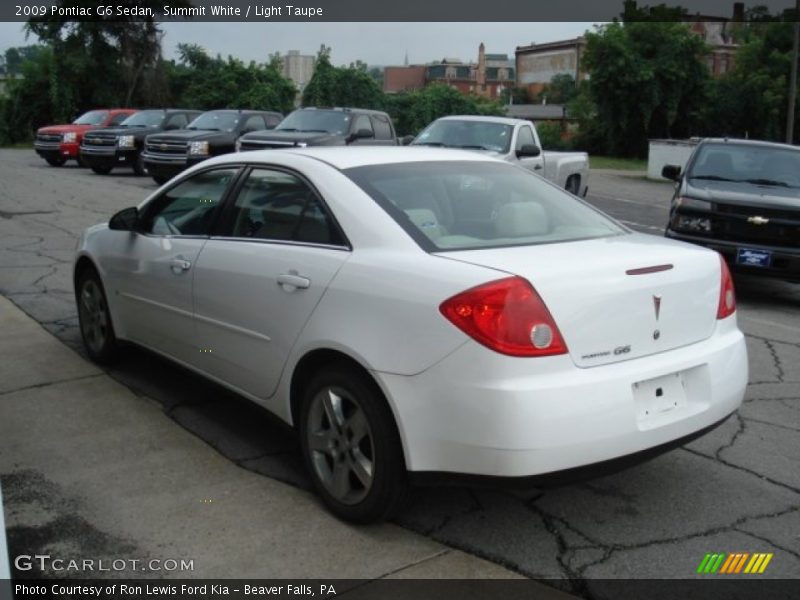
x,y
351,86
648,80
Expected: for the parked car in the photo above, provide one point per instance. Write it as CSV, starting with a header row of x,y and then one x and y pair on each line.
x,y
59,143
418,315
104,149
741,198
325,127
210,134
513,140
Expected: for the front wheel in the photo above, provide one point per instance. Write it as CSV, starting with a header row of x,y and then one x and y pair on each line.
x,y
101,170
160,179
351,446
94,318
56,162
138,165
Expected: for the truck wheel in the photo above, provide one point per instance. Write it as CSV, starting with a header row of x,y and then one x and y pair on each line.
x,y
160,179
102,170
56,162
351,445
573,185
138,165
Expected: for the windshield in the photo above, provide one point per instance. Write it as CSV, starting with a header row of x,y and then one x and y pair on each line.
x,y
144,118
329,121
462,205
480,135
93,117
216,120
749,163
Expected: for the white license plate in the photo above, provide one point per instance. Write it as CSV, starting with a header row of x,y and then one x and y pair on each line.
x,y
654,397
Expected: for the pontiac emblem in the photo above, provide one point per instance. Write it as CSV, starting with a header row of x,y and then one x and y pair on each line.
x,y
758,220
657,305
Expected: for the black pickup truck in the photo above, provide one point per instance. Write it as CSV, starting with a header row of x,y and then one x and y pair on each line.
x,y
742,199
325,127
212,133
104,149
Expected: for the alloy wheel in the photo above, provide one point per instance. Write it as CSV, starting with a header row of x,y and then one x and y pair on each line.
x,y
93,316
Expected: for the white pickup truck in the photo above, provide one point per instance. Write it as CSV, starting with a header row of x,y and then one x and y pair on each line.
x,y
513,140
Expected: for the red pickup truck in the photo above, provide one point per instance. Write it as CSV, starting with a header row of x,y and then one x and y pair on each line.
x,y
58,143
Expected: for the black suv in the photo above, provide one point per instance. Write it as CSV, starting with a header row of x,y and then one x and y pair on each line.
x,y
104,149
212,133
741,198
325,127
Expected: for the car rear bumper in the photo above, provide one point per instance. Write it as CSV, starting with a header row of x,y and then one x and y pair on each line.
x,y
480,413
785,263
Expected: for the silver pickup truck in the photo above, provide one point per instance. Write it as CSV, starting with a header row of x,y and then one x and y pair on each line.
x,y
513,140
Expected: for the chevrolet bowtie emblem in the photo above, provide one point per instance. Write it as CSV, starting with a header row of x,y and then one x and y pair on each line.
x,y
163,146
657,305
757,220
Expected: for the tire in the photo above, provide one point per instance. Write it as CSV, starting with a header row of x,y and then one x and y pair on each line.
x,y
81,162
160,179
102,170
573,184
94,318
356,465
56,162
138,165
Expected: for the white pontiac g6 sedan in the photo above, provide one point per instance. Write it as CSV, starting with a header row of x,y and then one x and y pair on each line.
x,y
418,313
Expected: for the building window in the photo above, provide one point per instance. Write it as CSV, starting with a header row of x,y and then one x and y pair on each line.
x,y
502,74
450,72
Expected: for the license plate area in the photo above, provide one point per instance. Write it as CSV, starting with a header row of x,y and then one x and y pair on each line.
x,y
655,397
752,257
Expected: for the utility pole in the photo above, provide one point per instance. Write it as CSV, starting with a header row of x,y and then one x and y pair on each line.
x,y
793,77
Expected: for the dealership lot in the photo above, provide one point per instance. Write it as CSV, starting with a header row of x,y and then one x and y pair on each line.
x,y
737,489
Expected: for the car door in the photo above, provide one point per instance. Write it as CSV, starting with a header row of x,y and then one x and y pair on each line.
x,y
525,137
363,122
258,281
152,270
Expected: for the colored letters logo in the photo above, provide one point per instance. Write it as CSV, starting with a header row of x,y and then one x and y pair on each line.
x,y
734,563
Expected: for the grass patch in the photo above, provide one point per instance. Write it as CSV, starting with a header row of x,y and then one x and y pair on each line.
x,y
622,164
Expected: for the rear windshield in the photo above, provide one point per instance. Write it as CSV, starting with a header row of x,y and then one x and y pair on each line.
x,y
216,120
323,121
144,118
463,205
93,117
748,163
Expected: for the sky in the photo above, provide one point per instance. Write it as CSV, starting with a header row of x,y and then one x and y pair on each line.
x,y
373,43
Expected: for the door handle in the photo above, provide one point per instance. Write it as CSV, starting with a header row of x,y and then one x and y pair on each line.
x,y
537,167
179,265
293,281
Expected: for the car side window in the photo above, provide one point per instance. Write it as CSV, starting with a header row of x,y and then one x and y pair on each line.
x,y
275,205
254,123
273,121
189,207
177,121
383,130
524,137
363,122
118,118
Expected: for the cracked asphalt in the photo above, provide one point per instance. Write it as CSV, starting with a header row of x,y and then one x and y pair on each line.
x,y
735,489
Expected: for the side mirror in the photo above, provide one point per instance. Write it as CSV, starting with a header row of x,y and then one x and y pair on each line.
x,y
124,220
406,140
360,135
528,150
672,172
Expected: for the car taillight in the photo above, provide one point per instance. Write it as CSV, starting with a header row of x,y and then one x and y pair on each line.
x,y
507,316
727,297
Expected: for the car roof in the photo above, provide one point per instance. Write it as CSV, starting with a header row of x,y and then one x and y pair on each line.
x,y
743,142
485,119
352,156
344,109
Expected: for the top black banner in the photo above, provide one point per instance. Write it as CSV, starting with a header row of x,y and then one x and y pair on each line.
x,y
360,10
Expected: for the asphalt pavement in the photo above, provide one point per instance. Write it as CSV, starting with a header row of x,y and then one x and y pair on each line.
x,y
735,490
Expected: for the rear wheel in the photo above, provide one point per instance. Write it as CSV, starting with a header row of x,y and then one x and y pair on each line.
x,y
94,318
56,162
102,170
351,446
573,184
